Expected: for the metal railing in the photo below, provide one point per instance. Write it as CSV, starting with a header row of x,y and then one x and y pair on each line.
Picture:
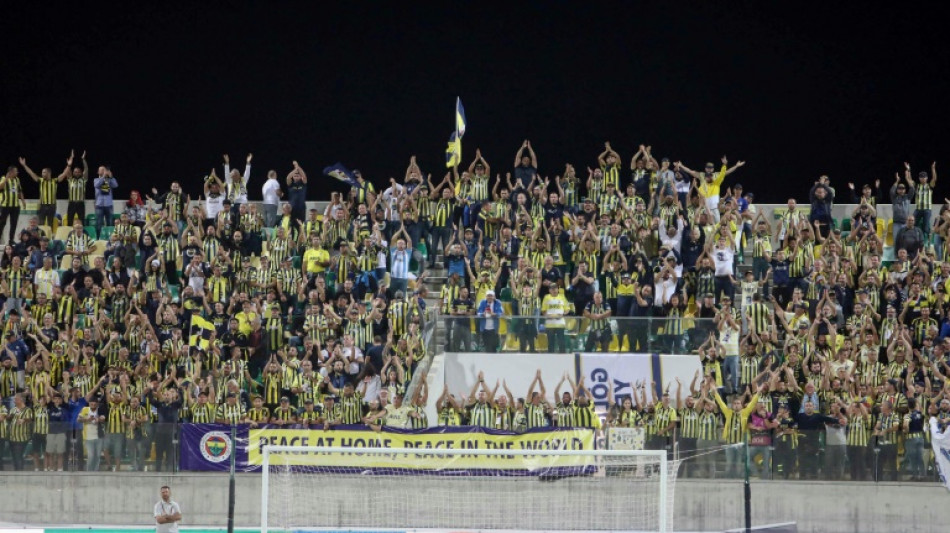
x,y
574,333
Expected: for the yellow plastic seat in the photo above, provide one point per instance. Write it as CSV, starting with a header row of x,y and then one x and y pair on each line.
x,y
62,233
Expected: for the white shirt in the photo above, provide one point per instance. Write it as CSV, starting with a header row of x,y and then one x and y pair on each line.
x,y
46,281
166,508
269,191
389,196
663,288
214,205
357,354
238,188
723,257
400,263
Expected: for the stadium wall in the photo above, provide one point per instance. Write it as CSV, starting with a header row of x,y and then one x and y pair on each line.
x,y
127,499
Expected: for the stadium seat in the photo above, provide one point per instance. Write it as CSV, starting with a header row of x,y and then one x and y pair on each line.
x,y
615,340
91,231
90,220
881,226
62,233
845,224
66,263
106,232
46,230
889,233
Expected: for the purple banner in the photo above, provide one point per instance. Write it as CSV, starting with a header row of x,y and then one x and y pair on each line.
x,y
209,447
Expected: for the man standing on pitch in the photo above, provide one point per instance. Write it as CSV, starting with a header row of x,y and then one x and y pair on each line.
x,y
167,513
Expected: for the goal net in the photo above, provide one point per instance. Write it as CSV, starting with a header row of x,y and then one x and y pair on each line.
x,y
313,488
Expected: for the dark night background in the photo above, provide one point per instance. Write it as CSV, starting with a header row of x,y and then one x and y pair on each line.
x,y
160,91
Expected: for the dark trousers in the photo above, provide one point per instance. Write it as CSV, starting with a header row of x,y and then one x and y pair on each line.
x,y
103,218
886,468
724,287
596,338
47,214
164,447
462,335
12,215
639,335
556,342
687,447
808,455
490,340
784,459
16,451
74,210
858,462
527,333
922,220
759,267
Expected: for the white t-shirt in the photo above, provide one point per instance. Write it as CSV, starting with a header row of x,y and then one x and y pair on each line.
x,y
269,191
166,508
729,338
554,308
357,354
749,288
723,257
214,205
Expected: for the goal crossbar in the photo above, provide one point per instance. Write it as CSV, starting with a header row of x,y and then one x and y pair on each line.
x,y
268,451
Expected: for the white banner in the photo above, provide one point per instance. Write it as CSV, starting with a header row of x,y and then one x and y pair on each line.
x,y
460,372
625,438
941,444
625,369
517,369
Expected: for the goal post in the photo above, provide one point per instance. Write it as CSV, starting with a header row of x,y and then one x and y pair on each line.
x,y
308,488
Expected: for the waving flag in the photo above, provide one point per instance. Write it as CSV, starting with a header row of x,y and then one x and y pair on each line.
x,y
200,334
341,173
459,118
453,153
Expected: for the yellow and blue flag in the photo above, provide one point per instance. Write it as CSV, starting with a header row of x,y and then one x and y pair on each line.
x,y
200,333
459,118
338,171
453,153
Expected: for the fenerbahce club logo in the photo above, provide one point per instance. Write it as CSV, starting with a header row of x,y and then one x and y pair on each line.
x,y
215,446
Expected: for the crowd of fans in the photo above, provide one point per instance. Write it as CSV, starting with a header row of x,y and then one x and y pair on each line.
x,y
216,309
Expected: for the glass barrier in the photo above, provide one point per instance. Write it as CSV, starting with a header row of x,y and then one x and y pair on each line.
x,y
802,455
798,455
150,447
505,333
